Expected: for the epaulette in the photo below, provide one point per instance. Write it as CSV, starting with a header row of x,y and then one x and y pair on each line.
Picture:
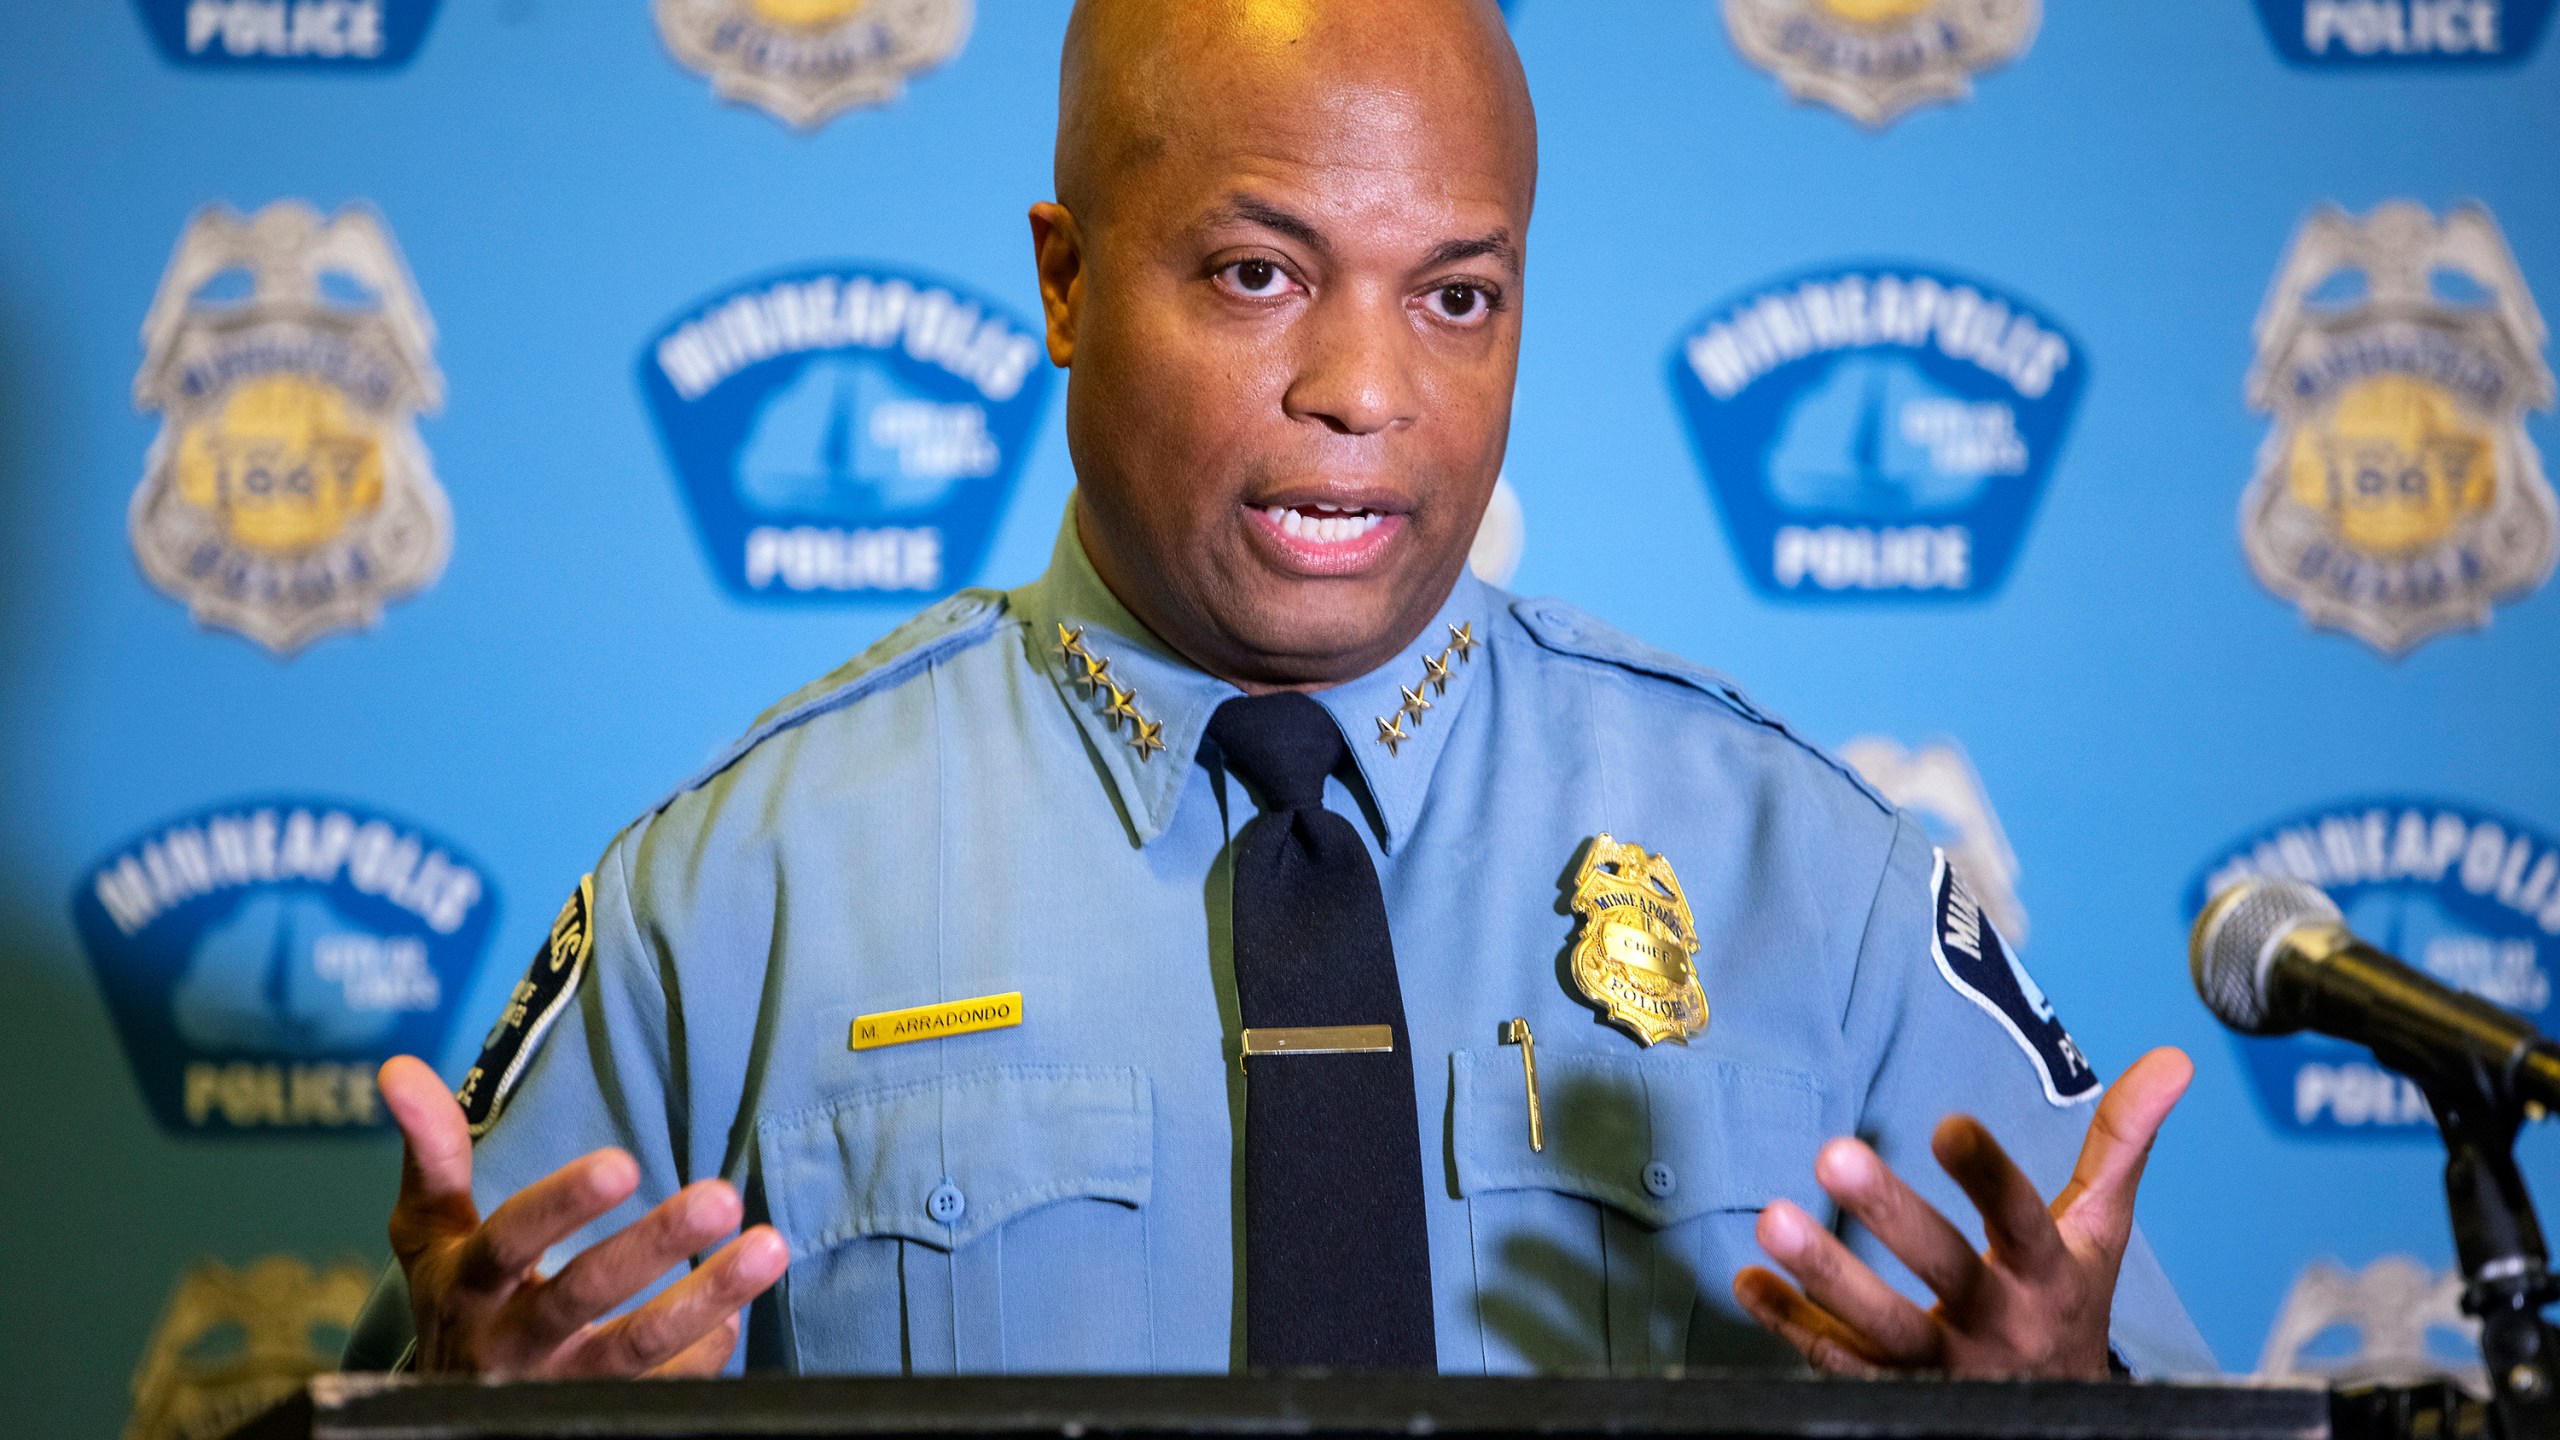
x,y
1567,631
943,629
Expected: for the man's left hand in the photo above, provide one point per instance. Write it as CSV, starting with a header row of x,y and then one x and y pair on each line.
x,y
2034,1304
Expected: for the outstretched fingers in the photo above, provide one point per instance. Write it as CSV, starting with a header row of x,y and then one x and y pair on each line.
x,y
1816,1333
435,1157
2098,1203
702,1359
505,1248
626,1262
1895,1331
2023,1239
675,1322
1921,1238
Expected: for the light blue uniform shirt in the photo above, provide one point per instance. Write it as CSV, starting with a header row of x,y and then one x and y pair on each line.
x,y
951,816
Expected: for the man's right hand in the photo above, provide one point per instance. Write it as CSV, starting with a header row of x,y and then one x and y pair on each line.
x,y
481,1306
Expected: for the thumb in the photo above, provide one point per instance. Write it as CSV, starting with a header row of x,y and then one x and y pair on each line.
x,y
435,1160
2098,1203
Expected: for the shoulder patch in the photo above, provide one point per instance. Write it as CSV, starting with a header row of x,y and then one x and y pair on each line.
x,y
1977,962
532,1006
953,625
1567,631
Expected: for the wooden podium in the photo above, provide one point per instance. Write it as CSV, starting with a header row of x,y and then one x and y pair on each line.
x,y
1086,1407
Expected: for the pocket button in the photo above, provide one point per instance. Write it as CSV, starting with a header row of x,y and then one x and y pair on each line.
x,y
1659,1181
946,1204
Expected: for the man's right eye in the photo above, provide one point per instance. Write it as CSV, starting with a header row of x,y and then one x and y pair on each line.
x,y
1256,278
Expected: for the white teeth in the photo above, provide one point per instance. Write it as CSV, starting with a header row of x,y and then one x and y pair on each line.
x,y
1329,525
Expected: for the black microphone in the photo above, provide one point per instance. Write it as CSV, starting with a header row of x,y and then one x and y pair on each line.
x,y
2274,956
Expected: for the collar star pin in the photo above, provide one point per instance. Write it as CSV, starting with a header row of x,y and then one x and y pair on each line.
x,y
1391,731
1091,673
1120,707
1435,672
1435,678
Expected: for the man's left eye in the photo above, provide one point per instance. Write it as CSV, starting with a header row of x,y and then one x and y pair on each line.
x,y
1468,304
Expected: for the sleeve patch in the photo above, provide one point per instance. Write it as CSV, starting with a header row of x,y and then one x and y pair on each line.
x,y
1977,962
532,1007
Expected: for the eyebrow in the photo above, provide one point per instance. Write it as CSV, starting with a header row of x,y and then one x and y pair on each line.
x,y
1496,244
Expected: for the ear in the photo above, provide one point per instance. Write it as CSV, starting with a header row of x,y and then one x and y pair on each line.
x,y
1057,247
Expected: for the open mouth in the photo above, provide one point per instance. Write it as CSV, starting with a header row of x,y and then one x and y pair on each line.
x,y
1324,524
1325,539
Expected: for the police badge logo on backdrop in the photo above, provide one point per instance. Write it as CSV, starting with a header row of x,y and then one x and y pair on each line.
x,y
262,959
288,494
309,35
231,1343
1938,786
2397,495
845,431
2399,34
1876,60
2467,895
1876,431
807,61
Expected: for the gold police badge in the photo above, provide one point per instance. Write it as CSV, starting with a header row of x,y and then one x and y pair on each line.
x,y
288,494
807,61
1874,60
233,1342
1632,958
2397,495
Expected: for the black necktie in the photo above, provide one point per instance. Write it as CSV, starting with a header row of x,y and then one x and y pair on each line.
x,y
1337,1262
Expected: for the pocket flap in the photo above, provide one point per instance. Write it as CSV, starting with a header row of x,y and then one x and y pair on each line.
x,y
1008,1139
1726,1136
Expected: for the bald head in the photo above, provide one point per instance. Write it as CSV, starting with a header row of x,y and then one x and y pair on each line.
x,y
1284,273
1137,74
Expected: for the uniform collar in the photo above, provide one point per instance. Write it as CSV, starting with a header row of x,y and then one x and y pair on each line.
x,y
1130,694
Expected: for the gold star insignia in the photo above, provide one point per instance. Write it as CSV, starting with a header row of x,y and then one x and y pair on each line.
x,y
1119,709
1391,731
1091,672
1414,704
1435,672
1462,639
1149,738
1070,642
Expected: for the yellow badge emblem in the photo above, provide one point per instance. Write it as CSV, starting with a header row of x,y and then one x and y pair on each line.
x,y
1633,956
935,1022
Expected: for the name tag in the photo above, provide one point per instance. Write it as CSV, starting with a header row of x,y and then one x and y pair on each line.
x,y
933,1022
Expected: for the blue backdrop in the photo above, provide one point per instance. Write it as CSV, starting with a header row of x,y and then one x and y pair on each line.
x,y
2109,709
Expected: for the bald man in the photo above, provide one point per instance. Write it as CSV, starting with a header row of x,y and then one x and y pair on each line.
x,y
1257,943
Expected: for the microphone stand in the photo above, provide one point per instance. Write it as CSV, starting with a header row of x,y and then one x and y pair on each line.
x,y
2498,1243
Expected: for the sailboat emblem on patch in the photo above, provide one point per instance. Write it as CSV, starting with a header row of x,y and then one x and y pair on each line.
x,y
288,494
2397,494
845,431
1876,60
1876,431
807,61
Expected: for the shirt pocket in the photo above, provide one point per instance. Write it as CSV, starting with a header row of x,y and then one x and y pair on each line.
x,y
1613,1249
986,1221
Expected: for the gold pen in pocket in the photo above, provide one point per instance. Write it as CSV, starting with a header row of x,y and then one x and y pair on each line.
x,y
1515,1031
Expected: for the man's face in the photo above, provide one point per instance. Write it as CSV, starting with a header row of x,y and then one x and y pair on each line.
x,y
1292,333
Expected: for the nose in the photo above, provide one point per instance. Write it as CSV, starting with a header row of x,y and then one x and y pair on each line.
x,y
1353,372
